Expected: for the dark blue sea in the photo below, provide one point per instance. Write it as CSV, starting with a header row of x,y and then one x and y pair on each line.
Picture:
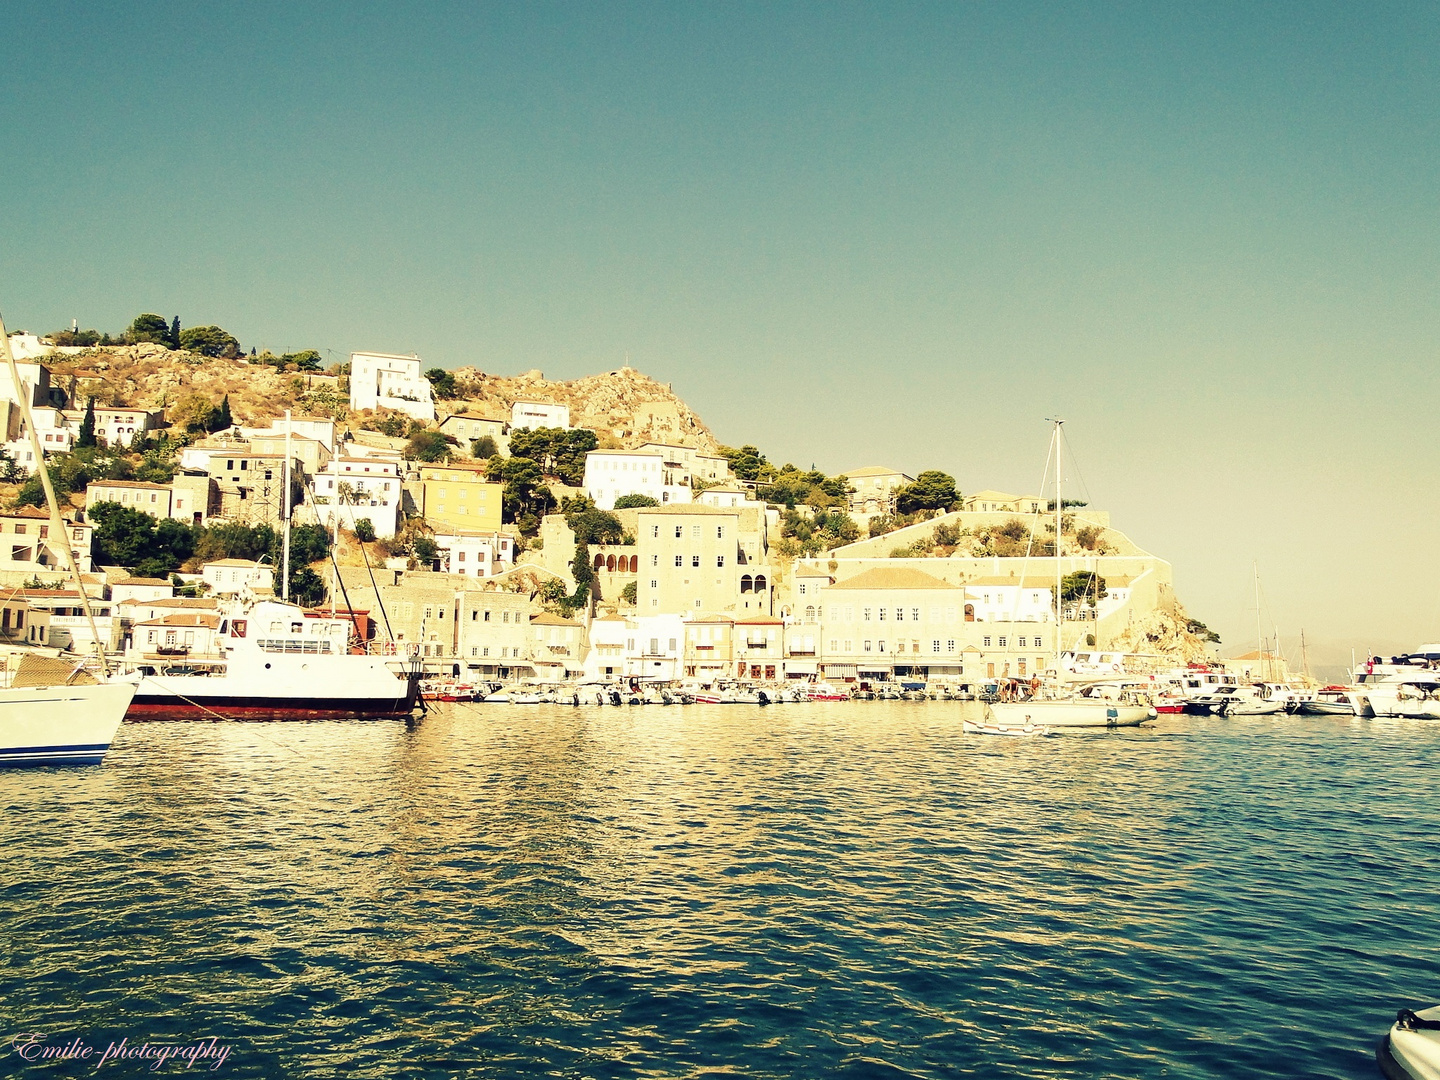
x,y
847,890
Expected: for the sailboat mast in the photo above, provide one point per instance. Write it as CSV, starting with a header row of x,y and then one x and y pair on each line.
x,y
59,533
285,556
1059,511
1259,634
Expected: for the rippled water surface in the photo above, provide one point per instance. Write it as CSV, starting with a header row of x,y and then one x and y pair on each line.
x,y
807,890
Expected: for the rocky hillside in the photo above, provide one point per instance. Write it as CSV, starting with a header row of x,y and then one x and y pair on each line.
x,y
625,407
154,377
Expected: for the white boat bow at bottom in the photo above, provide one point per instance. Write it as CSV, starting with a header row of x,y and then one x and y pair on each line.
x,y
1411,1049
971,727
1070,712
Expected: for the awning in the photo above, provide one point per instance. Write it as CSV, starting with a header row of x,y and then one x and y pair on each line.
x,y
840,671
802,667
873,669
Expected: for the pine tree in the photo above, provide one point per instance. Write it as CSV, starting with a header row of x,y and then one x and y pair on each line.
x,y
87,426
175,332
226,420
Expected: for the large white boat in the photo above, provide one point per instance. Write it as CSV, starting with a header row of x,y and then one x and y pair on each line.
x,y
278,662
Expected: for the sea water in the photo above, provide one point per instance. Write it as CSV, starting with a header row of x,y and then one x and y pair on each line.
x,y
850,889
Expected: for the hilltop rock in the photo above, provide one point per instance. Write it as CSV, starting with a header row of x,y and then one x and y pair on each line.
x,y
624,407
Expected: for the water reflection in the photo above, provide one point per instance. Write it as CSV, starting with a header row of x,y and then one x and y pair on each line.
x,y
502,890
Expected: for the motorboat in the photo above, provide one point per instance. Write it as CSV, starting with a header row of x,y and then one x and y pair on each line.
x,y
824,691
1414,695
973,727
1077,711
1337,701
1410,1050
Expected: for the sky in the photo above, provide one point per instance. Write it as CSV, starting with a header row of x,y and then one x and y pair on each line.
x,y
903,234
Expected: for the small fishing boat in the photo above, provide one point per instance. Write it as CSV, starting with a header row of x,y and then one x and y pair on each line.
x,y
972,727
1411,1049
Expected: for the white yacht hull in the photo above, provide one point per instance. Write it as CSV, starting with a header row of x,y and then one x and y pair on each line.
x,y
1077,714
61,725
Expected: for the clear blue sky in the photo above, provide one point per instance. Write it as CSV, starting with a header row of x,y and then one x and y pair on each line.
x,y
894,234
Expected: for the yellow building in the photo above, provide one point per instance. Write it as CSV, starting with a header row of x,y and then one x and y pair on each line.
x,y
460,498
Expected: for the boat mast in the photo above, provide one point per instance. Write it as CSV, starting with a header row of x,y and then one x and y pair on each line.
x,y
1059,511
1259,639
285,556
58,530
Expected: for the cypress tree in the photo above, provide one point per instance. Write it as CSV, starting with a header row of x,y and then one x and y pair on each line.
x,y
175,332
225,418
87,426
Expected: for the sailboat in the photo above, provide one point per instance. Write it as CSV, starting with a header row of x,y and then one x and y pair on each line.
x,y
1071,709
58,710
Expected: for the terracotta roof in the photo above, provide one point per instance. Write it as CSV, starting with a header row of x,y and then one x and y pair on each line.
x,y
211,621
130,484
812,571
765,620
893,578
232,562
143,581
546,619
26,512
206,603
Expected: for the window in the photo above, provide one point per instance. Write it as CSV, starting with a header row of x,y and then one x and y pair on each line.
x,y
655,532
679,560
719,532
881,646
899,614
654,584
487,616
695,532
867,646
679,531
694,560
654,560
935,646
719,560
834,645
915,614
1039,644
987,642
882,614
1021,643
1004,642
950,645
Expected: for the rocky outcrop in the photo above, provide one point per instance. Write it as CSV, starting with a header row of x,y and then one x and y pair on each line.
x,y
153,377
624,407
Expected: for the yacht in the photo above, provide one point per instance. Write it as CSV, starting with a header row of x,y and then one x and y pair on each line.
x,y
276,661
1416,695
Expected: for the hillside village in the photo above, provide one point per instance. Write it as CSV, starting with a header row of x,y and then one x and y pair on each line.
x,y
517,527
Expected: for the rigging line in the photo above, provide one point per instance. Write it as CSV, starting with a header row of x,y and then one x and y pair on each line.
x,y
1075,465
340,581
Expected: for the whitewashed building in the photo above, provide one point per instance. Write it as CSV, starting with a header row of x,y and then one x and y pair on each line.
x,y
609,474
526,415
228,576
389,381
351,488
475,554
